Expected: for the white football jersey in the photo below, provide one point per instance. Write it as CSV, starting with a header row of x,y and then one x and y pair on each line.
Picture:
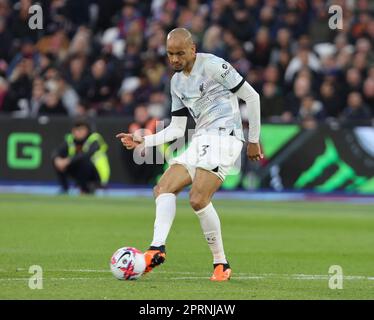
x,y
207,93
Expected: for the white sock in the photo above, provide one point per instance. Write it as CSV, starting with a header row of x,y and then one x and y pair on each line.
x,y
165,213
211,226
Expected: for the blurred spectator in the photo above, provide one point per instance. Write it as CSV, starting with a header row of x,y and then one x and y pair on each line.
x,y
303,58
37,97
271,74
368,91
78,11
262,48
282,63
106,11
353,80
76,74
240,23
370,72
21,84
157,105
292,19
82,109
69,97
127,104
330,99
212,41
282,43
197,29
356,109
360,62
132,63
311,108
302,88
52,105
27,51
130,18
80,44
5,102
143,123
5,9
156,41
5,40
267,18
272,102
55,43
359,26
154,70
99,84
239,61
143,90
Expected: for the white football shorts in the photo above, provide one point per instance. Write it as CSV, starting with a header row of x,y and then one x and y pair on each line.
x,y
215,153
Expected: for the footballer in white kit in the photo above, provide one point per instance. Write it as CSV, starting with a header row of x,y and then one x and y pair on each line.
x,y
207,88
204,93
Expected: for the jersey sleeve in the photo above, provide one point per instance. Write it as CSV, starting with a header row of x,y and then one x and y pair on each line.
x,y
176,102
224,73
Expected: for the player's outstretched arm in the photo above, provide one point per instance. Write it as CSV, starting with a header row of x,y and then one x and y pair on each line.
x,y
175,130
252,100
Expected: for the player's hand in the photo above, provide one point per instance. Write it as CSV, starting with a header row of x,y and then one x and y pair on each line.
x,y
130,141
254,152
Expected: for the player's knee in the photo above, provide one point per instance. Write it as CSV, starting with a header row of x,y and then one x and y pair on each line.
x,y
198,201
159,189
156,191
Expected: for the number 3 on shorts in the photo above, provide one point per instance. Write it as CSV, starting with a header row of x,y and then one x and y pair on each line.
x,y
204,146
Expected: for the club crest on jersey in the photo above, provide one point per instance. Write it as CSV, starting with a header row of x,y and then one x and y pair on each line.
x,y
202,88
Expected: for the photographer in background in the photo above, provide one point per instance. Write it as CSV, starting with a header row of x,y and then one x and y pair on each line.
x,y
82,157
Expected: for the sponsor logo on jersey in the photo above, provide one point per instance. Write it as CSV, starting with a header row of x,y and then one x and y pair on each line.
x,y
224,66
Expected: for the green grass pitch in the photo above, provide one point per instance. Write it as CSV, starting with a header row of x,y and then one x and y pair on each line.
x,y
277,250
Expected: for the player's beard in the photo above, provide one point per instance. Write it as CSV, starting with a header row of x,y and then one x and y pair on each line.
x,y
178,70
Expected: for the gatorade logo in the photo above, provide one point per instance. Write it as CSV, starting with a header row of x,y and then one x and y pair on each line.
x,y
24,151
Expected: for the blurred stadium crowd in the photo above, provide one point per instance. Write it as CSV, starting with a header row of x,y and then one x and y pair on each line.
x,y
108,57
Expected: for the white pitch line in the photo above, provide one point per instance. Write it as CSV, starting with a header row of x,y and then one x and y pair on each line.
x,y
316,277
189,275
53,279
103,271
62,270
240,277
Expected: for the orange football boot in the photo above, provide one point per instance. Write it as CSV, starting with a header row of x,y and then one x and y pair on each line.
x,y
222,272
154,256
